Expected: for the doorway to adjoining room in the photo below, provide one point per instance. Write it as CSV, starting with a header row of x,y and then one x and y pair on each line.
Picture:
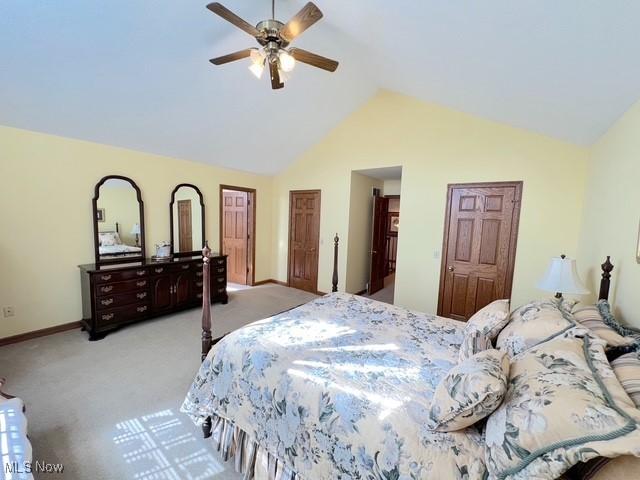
x,y
374,224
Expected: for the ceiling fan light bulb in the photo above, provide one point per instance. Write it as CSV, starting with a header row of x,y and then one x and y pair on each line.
x,y
257,69
287,62
257,56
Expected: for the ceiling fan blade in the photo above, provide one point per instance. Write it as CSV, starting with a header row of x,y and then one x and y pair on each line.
x,y
232,57
313,59
275,76
231,17
302,20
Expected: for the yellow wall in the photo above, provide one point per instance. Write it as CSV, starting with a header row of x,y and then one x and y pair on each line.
x,y
437,146
360,220
611,214
46,187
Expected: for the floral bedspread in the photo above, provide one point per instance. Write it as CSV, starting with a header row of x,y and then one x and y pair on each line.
x,y
340,388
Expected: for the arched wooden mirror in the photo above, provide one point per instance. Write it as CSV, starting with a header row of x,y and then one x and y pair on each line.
x,y
118,221
186,220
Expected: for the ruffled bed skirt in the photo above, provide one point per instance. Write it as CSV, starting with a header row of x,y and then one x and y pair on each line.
x,y
250,459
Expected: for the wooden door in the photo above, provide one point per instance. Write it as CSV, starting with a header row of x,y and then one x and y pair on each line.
x,y
378,268
162,293
304,239
481,229
185,234
235,238
181,288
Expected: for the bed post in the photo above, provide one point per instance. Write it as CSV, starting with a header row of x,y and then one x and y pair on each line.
x,y
206,320
334,279
605,283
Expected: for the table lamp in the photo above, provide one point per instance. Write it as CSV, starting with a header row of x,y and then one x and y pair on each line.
x,y
562,277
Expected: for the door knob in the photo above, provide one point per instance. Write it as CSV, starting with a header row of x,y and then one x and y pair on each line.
x,y
451,269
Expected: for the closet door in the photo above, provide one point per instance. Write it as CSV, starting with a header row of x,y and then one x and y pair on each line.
x,y
481,229
304,239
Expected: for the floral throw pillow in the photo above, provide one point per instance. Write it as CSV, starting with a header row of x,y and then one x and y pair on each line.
x,y
490,319
564,405
469,392
534,323
473,342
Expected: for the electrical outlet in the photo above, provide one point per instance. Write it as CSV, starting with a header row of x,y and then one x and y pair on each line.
x,y
8,312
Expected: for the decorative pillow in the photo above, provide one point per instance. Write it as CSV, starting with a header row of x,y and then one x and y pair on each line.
x,y
563,406
591,318
473,342
469,392
532,324
109,239
627,370
490,319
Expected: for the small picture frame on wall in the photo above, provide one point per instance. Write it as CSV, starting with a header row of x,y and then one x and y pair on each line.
x,y
100,215
394,223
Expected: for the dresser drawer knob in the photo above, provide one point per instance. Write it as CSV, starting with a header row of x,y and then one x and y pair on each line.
x,y
220,262
221,270
199,295
198,284
140,273
185,267
107,316
142,283
105,277
198,274
106,289
141,295
142,309
220,290
220,280
106,302
159,270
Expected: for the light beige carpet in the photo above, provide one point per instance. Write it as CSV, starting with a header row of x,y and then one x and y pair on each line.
x,y
110,409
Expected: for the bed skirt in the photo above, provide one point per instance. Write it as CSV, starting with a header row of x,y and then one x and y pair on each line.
x,y
250,459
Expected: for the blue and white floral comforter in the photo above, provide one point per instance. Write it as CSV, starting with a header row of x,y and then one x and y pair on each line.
x,y
339,388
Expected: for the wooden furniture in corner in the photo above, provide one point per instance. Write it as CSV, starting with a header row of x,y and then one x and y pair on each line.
x,y
116,295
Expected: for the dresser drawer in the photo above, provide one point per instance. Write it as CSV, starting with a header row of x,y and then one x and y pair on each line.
x,y
121,287
110,277
122,314
218,280
108,302
218,291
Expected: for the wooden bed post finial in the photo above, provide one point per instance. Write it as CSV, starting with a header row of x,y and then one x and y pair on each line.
x,y
605,283
334,279
206,301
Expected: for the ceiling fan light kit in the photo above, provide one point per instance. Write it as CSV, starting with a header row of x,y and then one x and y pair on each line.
x,y
274,37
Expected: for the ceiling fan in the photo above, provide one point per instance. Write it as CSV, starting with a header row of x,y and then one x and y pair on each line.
x,y
274,37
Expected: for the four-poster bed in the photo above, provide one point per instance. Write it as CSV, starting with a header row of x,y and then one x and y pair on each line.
x,y
297,392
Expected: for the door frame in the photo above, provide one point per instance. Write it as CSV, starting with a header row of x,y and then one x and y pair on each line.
x,y
291,193
513,239
251,228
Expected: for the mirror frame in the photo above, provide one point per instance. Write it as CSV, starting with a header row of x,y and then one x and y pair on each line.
x,y
173,199
96,195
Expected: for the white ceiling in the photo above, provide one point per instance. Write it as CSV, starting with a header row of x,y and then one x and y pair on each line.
x,y
384,173
134,73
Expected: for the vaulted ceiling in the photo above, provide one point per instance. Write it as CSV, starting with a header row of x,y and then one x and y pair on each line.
x,y
135,73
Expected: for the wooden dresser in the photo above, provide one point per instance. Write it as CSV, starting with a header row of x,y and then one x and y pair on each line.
x,y
114,295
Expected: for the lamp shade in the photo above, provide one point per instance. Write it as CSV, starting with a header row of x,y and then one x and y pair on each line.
x,y
135,230
562,276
